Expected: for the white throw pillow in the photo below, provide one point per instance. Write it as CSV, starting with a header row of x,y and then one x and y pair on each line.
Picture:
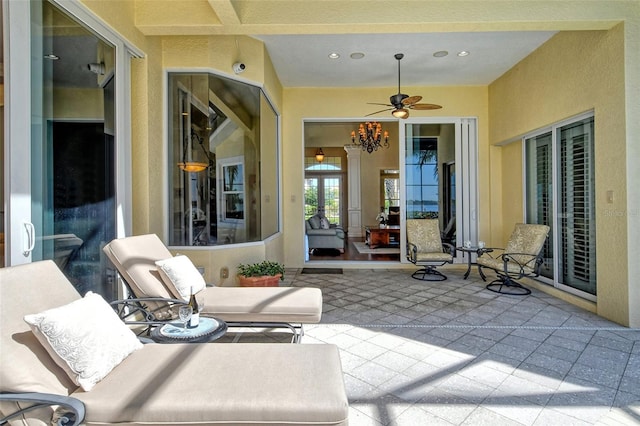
x,y
180,275
324,223
85,337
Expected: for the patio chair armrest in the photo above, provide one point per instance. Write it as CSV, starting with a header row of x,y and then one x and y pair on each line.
x,y
448,248
72,414
412,252
492,252
533,262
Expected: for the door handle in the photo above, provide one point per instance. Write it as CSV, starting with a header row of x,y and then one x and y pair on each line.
x,y
29,238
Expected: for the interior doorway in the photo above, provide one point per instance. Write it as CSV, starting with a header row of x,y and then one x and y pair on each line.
x,y
419,175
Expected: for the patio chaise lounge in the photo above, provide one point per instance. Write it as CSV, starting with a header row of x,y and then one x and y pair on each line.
x,y
271,307
152,384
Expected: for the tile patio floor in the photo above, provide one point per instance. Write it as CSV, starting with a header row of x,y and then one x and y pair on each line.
x,y
453,353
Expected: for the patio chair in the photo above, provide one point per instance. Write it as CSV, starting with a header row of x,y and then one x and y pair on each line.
x,y
522,257
425,248
264,307
111,378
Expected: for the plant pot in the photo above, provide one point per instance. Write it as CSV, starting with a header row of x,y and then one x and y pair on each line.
x,y
263,281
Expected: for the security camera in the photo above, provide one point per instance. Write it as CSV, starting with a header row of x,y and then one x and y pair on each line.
x,y
239,67
96,68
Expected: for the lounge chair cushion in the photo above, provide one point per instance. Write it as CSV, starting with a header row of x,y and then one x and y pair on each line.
x,y
264,304
241,383
180,276
26,365
85,337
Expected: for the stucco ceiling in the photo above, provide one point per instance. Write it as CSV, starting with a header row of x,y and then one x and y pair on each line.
x,y
303,60
300,34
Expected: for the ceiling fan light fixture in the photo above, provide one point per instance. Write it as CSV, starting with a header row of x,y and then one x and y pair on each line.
x,y
400,113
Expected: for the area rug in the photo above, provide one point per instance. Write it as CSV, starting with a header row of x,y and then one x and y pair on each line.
x,y
364,249
322,270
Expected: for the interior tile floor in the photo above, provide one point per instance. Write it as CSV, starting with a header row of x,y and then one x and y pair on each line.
x,y
453,353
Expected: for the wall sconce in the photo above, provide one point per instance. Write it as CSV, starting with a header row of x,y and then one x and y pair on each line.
x,y
319,155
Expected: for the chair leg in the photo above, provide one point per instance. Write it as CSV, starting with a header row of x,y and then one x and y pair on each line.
x,y
505,285
428,273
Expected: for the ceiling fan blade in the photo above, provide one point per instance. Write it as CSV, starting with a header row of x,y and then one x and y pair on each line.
x,y
424,106
411,100
375,103
378,112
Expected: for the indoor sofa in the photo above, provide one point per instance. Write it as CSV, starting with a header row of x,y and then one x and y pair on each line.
x,y
151,384
323,235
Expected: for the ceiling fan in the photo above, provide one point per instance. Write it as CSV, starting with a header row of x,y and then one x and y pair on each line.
x,y
401,103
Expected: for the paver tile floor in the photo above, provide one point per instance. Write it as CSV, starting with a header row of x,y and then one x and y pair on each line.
x,y
453,353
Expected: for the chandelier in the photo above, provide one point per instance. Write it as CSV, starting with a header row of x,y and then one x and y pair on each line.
x,y
370,137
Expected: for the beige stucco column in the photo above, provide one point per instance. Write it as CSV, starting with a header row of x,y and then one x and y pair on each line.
x,y
354,206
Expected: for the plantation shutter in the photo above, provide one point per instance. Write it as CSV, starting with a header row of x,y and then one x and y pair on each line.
x,y
577,224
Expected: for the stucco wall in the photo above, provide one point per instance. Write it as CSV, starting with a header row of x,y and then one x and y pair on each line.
x,y
572,73
149,139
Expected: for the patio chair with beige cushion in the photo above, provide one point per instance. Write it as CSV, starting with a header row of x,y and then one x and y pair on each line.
x,y
150,270
425,248
71,352
522,257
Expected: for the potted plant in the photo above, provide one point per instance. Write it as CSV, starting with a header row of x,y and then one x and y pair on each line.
x,y
262,274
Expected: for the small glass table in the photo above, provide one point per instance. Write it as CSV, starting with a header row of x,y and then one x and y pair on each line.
x,y
208,330
479,252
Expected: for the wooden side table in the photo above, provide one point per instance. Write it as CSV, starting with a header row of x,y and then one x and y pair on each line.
x,y
376,236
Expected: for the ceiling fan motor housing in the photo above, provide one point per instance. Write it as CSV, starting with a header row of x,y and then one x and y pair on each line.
x,y
396,100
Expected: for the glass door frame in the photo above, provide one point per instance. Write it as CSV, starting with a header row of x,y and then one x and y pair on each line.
x,y
554,233
321,177
18,134
466,160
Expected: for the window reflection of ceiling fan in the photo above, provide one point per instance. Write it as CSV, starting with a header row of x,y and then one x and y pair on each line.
x,y
401,103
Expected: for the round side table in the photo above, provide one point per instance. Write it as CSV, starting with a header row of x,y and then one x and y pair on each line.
x,y
208,330
479,252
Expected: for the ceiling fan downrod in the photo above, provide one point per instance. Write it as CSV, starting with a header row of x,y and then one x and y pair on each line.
x,y
400,96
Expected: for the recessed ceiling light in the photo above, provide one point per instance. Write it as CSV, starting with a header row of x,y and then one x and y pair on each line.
x,y
357,55
441,54
334,55
463,53
52,57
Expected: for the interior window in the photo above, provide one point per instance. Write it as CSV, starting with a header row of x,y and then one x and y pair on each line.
x,y
223,162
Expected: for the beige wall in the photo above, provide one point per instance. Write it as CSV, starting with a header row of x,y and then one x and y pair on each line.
x,y
572,73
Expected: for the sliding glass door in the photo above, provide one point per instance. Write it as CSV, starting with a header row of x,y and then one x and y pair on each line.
x,y
65,166
439,176
560,191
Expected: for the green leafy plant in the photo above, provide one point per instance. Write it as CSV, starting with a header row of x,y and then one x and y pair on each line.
x,y
266,267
